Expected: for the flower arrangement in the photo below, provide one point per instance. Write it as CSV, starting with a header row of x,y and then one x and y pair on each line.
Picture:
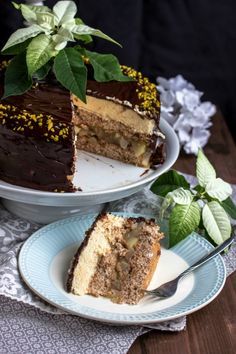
x,y
181,106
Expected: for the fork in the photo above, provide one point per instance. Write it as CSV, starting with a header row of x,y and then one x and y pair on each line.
x,y
168,289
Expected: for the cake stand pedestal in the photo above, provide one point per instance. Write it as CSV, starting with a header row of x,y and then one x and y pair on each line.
x,y
43,214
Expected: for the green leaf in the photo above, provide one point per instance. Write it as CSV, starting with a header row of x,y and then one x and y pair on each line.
x,y
18,48
86,38
65,11
178,196
106,67
205,171
216,222
21,35
199,188
43,71
184,219
229,207
71,72
84,29
17,81
219,189
46,20
39,52
168,182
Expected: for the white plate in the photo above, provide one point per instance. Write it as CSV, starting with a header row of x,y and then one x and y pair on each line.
x,y
45,257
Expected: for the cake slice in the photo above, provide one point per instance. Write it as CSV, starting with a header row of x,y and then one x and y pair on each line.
x,y
120,120
117,259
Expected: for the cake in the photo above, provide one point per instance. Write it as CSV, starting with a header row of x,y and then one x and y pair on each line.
x,y
41,129
117,259
120,120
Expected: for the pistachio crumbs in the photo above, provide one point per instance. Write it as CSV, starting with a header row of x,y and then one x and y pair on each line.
x,y
21,121
147,92
4,64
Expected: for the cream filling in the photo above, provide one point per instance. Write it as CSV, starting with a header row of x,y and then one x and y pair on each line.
x,y
117,112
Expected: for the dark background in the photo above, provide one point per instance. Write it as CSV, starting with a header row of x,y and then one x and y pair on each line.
x,y
195,38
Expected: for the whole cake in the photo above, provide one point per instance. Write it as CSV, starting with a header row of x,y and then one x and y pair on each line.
x,y
57,99
117,259
41,129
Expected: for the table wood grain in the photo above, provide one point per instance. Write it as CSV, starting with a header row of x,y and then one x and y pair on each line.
x,y
211,330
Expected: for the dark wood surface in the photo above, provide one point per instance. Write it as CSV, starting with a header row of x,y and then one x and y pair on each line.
x,y
211,330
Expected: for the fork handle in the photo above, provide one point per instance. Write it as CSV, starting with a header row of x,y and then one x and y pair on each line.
x,y
209,256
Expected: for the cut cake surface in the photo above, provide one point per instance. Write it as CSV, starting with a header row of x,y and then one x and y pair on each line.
x,y
117,259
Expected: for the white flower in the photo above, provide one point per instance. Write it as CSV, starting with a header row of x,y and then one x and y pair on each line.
x,y
188,99
198,139
181,106
167,99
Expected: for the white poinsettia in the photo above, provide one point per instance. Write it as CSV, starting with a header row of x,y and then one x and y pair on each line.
x,y
183,109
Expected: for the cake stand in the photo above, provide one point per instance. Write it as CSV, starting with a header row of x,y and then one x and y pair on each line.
x,y
101,179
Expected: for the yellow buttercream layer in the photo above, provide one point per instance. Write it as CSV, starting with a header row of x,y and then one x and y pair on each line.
x,y
99,243
110,110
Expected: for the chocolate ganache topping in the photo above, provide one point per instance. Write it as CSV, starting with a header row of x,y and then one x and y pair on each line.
x,y
140,94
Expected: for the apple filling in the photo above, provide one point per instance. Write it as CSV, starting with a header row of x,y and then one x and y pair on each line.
x,y
96,134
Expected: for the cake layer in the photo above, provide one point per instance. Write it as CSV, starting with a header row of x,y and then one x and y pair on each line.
x,y
114,112
112,130
114,151
117,259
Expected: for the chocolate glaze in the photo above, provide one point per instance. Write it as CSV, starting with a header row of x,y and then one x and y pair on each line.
x,y
34,163
30,158
45,98
123,92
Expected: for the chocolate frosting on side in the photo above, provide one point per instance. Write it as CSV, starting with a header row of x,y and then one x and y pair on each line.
x,y
37,139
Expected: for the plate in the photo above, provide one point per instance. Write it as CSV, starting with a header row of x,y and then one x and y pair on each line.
x,y
100,178
45,258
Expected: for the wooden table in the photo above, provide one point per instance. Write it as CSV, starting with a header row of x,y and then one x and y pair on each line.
x,y
211,330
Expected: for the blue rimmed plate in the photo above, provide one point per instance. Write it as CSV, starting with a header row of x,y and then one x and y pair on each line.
x,y
45,258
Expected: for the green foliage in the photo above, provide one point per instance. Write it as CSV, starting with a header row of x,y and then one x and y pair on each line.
x,y
206,205
168,182
184,219
17,80
71,72
45,39
106,67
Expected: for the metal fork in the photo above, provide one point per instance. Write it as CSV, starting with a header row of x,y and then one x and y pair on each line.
x,y
168,289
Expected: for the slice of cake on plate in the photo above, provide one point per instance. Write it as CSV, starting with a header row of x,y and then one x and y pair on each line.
x,y
117,259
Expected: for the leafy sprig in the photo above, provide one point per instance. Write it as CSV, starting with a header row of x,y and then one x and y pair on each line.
x,y
41,47
206,206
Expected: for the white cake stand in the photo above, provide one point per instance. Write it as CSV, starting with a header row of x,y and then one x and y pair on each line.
x,y
101,180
